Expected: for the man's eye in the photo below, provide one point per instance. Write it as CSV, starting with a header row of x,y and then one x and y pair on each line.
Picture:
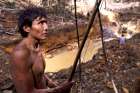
x,y
43,22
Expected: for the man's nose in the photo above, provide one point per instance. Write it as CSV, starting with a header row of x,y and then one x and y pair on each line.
x,y
45,25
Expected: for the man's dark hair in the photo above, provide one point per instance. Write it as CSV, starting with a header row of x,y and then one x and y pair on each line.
x,y
27,16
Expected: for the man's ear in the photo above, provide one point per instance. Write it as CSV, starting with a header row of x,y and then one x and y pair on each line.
x,y
26,28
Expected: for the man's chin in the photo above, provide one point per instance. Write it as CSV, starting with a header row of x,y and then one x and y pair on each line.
x,y
43,38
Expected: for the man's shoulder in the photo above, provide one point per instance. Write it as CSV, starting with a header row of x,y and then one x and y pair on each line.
x,y
20,50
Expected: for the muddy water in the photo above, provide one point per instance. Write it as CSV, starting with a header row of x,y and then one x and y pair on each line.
x,y
65,58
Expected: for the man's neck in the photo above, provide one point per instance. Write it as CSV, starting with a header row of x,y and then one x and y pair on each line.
x,y
32,43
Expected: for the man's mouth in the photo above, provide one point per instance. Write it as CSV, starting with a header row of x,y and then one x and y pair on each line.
x,y
45,34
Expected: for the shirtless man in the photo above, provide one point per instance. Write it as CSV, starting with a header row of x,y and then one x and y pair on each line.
x,y
27,64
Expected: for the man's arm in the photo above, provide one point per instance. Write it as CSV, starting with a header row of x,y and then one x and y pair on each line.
x,y
21,72
50,83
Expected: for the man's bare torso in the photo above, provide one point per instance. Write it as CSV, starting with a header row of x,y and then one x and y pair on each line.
x,y
36,65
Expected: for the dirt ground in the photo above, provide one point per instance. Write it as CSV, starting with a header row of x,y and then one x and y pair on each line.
x,y
123,67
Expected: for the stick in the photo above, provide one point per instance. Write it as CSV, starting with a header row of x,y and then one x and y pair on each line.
x,y
84,40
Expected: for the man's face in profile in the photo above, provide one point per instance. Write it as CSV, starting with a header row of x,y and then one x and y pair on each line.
x,y
39,28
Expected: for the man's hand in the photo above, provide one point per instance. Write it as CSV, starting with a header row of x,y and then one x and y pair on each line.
x,y
66,87
50,83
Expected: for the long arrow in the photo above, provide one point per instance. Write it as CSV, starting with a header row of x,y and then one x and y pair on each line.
x,y
84,40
